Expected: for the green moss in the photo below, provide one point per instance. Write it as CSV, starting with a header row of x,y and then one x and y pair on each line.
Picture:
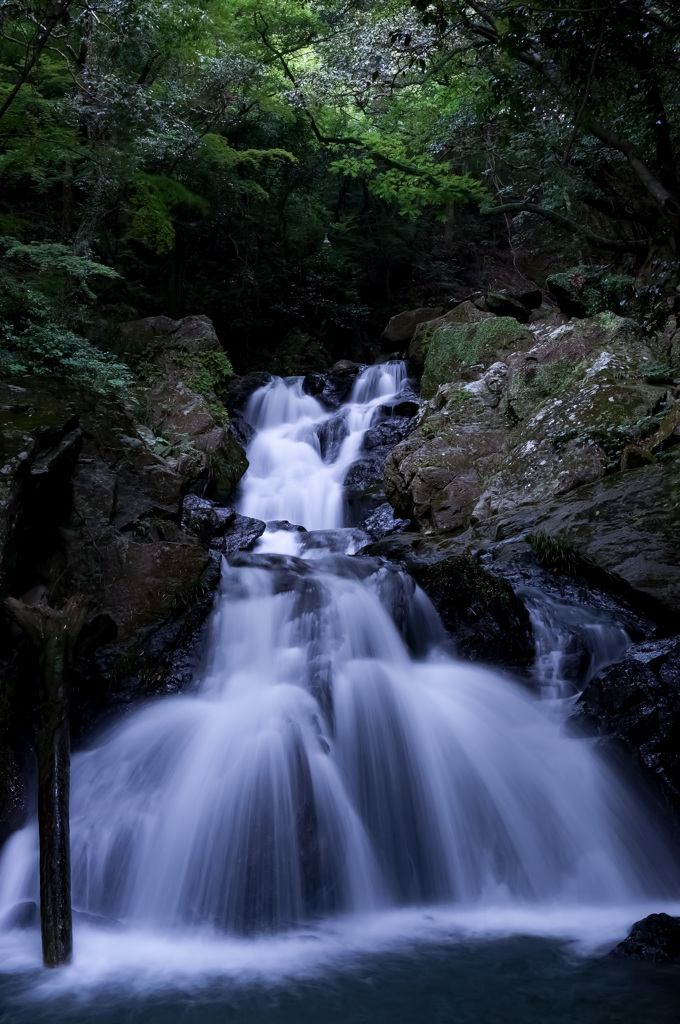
x,y
529,390
453,348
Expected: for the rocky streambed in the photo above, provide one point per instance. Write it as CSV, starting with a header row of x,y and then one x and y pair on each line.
x,y
541,453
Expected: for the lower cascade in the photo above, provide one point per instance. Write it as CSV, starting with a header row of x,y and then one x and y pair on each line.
x,y
333,757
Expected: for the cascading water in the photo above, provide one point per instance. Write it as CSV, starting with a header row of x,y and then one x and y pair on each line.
x,y
333,758
288,478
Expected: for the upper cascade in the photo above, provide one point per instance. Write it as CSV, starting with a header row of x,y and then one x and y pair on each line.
x,y
288,477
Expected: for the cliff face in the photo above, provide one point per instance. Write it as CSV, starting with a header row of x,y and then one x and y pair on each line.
x,y
91,491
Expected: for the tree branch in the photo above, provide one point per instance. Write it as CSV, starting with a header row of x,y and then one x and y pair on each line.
x,y
44,32
559,220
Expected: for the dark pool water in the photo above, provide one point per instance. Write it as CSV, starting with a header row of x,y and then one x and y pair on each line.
x,y
508,981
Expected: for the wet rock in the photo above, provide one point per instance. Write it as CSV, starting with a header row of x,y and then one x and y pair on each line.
x,y
332,388
240,535
334,541
655,939
199,516
386,435
637,702
239,391
487,620
405,404
401,327
283,524
331,434
363,486
382,522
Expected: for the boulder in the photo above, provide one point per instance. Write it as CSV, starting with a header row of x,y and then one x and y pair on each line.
x,y
637,702
240,535
655,939
517,415
201,518
401,327
504,303
486,619
382,522
463,313
332,388
625,527
456,348
157,334
188,379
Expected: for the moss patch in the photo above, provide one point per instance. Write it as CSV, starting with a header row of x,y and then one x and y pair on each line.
x,y
454,348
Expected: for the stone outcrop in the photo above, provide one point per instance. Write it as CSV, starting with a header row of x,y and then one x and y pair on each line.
x,y
401,327
637,702
655,939
624,528
486,619
516,415
91,493
464,313
183,406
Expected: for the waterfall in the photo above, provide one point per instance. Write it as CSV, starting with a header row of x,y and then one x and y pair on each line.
x,y
333,759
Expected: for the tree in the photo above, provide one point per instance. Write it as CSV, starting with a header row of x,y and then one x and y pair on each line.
x,y
597,81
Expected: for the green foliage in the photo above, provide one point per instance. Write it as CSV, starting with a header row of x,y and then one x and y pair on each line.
x,y
210,370
59,352
559,554
54,258
152,200
189,594
545,381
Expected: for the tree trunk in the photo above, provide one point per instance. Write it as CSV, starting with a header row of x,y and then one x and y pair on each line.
x,y
53,634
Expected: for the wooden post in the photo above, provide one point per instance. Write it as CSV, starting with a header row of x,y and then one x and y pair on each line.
x,y
53,634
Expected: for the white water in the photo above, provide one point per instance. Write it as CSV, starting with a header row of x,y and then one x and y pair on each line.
x,y
322,778
287,478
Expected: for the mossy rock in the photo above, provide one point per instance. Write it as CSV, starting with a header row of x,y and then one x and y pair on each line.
x,y
227,467
452,349
464,313
486,618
